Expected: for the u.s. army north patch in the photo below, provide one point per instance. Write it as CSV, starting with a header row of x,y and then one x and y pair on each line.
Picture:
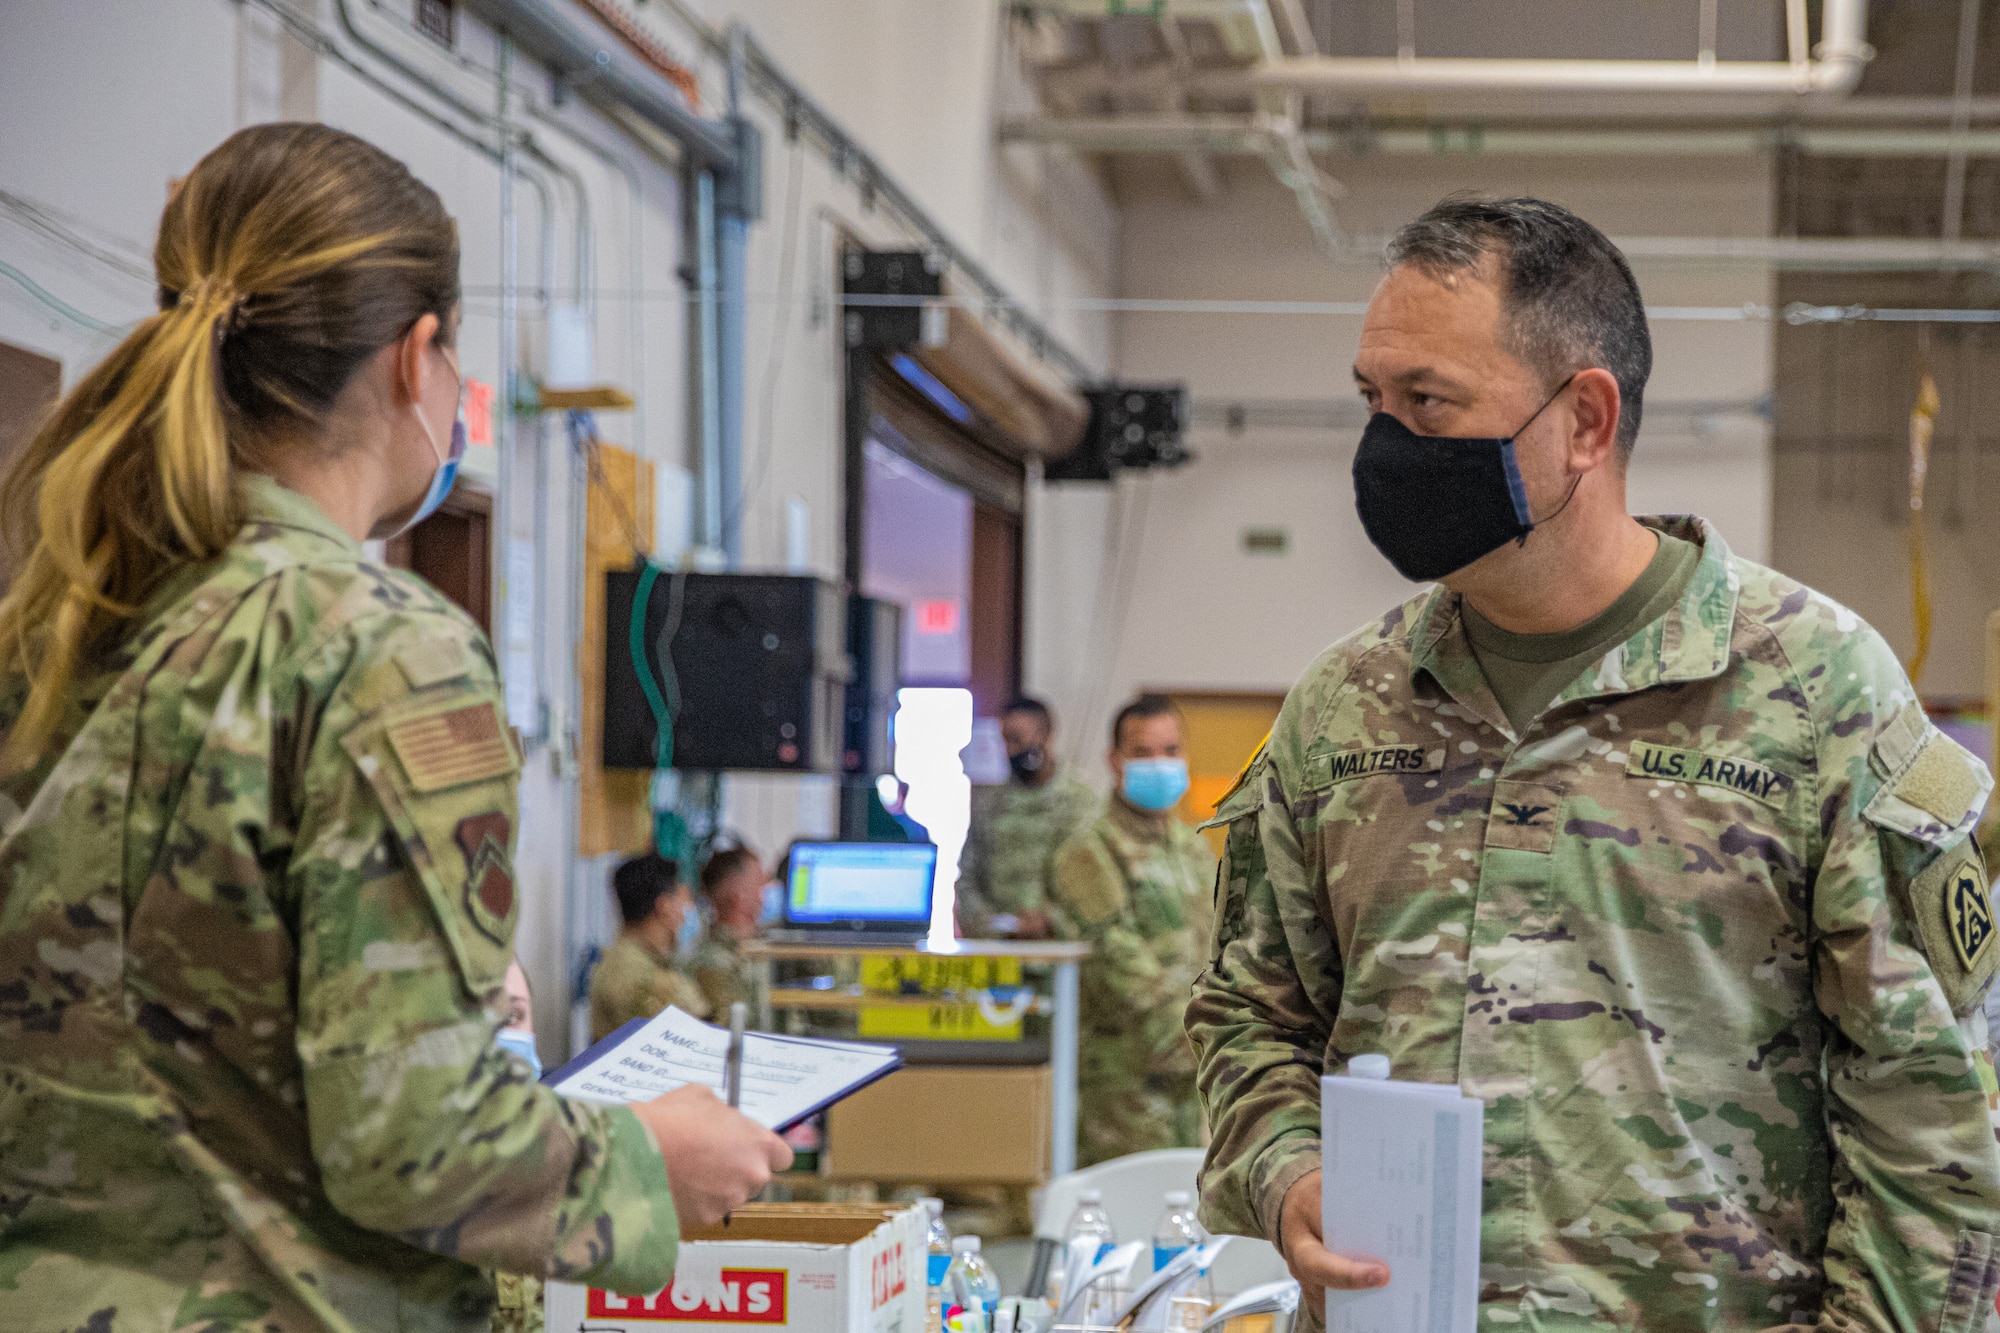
x,y
1954,914
1743,776
1968,913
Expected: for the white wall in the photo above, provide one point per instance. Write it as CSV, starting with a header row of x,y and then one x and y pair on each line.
x,y
1186,608
108,112
916,84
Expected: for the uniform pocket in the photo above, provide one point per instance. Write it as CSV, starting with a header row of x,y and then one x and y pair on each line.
x,y
445,776
1969,1291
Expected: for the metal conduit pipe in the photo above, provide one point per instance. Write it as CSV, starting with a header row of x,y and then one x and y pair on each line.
x,y
601,70
478,115
1834,71
1245,135
765,77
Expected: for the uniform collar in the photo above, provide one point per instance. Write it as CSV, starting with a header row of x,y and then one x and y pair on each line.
x,y
269,502
1141,824
1690,642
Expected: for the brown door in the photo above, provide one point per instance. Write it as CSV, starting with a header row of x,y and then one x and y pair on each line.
x,y
995,616
29,386
452,550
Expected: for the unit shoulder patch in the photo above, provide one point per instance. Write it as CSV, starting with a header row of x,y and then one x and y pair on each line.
x,y
433,662
1323,770
1933,788
1954,914
453,746
1745,777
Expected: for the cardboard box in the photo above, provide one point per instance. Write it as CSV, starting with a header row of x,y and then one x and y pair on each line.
x,y
803,1267
944,1125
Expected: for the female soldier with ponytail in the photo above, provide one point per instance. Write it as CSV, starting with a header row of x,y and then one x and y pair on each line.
x,y
257,811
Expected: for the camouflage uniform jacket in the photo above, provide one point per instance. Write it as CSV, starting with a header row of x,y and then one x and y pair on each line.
x,y
1709,939
258,906
720,969
1137,887
1015,829
634,982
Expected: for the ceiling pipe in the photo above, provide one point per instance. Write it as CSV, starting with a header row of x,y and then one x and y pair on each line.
x,y
1250,135
1833,71
596,66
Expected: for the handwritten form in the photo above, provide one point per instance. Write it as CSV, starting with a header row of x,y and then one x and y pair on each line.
x,y
1402,1185
785,1079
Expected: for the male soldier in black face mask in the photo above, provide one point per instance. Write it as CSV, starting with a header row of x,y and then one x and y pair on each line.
x,y
1016,828
1649,848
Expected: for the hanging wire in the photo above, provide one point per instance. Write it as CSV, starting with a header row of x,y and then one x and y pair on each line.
x,y
60,306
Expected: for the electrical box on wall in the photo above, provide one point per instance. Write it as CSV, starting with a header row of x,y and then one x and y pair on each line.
x,y
1131,426
905,281
758,679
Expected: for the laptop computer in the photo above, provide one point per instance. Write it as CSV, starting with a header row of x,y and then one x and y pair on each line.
x,y
859,893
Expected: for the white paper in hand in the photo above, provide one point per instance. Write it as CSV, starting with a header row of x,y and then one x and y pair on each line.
x,y
1401,1184
785,1079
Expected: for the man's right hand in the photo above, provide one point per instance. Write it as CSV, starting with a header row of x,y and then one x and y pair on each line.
x,y
1033,925
1306,1254
716,1158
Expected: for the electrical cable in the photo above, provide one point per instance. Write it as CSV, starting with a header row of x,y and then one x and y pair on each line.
x,y
52,225
60,306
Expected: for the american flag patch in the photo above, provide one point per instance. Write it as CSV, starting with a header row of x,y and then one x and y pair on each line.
x,y
451,748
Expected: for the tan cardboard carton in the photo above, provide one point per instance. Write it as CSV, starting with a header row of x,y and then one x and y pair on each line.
x,y
804,1267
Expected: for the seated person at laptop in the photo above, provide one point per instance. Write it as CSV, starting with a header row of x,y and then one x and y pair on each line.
x,y
733,882
638,977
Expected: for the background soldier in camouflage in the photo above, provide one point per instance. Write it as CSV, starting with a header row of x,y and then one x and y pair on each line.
x,y
1136,883
642,973
732,880
1016,828
257,810
1686,898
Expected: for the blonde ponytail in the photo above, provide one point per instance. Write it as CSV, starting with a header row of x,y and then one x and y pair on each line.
x,y
289,255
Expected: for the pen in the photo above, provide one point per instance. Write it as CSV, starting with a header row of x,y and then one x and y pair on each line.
x,y
732,1064
732,1069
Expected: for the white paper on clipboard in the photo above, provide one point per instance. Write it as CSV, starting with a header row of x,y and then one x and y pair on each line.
x,y
1401,1184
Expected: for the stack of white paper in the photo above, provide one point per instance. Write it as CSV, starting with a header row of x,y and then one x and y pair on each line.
x,y
785,1079
1402,1185
1280,1297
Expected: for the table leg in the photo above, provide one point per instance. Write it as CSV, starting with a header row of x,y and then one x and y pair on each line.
x,y
1063,1057
764,1023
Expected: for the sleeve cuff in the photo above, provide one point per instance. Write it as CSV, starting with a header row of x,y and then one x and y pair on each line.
x,y
628,1239
1285,1163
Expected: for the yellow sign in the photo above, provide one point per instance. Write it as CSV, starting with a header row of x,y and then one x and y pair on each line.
x,y
958,985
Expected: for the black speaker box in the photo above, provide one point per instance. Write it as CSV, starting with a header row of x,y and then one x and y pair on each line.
x,y
902,274
760,661
875,643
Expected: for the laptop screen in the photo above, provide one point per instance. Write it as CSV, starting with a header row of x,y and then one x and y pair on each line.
x,y
838,882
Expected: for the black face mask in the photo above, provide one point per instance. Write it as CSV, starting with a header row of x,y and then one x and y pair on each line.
x,y
1433,504
1028,763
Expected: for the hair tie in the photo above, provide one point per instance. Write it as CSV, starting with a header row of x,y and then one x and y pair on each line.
x,y
209,289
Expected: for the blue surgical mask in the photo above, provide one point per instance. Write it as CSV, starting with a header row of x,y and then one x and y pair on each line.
x,y
689,934
447,471
1155,784
773,910
522,1044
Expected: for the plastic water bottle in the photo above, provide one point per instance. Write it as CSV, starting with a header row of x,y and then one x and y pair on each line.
x,y
972,1292
936,1264
1090,1219
1177,1229
1371,1065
